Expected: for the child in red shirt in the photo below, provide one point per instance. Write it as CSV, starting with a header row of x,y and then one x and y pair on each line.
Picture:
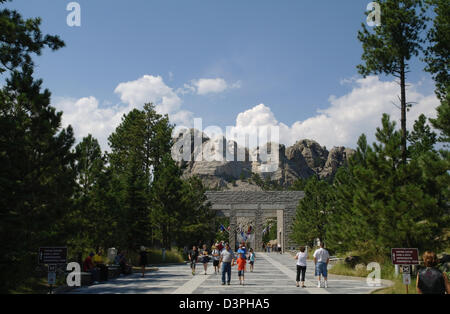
x,y
241,268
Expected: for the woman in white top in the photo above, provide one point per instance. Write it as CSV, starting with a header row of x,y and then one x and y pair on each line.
x,y
301,265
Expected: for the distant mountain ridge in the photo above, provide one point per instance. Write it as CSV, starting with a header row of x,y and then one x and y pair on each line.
x,y
301,160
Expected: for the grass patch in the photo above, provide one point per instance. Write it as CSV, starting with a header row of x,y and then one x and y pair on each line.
x,y
387,272
172,256
32,286
398,287
154,256
343,269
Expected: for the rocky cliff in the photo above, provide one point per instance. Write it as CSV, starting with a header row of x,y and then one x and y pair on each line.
x,y
301,160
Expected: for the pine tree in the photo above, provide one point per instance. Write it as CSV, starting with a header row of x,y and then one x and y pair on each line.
x,y
20,38
138,147
438,64
196,219
421,139
37,177
167,199
391,46
312,212
382,203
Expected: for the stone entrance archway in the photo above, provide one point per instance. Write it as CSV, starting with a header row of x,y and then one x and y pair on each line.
x,y
259,205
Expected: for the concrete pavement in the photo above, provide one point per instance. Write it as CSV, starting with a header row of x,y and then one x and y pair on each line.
x,y
274,274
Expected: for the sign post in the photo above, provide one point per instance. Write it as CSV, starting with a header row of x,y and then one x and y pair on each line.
x,y
406,270
52,256
51,278
405,257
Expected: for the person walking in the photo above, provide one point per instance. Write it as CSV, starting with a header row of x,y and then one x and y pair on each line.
x,y
143,260
301,266
252,258
321,260
216,259
242,249
241,262
193,258
220,246
227,260
205,258
431,280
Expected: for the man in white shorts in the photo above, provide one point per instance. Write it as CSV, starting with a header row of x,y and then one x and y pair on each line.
x,y
321,260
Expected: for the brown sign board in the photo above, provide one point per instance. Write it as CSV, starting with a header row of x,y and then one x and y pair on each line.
x,y
53,255
405,256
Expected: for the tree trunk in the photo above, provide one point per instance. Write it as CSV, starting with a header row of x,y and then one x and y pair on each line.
x,y
403,108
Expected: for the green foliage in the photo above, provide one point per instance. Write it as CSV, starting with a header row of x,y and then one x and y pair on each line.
x,y
265,183
438,50
312,212
298,185
438,63
222,235
36,175
382,203
442,122
421,139
389,48
272,234
20,38
396,40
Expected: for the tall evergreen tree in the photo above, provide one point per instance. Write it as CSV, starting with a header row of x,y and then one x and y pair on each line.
x,y
137,149
382,203
167,199
422,139
438,63
36,173
312,212
88,221
390,47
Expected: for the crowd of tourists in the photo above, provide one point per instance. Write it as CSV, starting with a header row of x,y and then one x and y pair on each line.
x,y
430,280
223,258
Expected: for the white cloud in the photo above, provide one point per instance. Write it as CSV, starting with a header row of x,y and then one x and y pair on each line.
x,y
346,118
149,89
205,86
86,116
208,86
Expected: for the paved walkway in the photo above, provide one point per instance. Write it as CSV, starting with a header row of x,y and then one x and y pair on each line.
x,y
274,274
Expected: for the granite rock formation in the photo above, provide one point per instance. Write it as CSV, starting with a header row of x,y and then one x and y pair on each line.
x,y
210,162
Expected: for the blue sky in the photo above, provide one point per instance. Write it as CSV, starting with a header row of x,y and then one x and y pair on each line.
x,y
289,55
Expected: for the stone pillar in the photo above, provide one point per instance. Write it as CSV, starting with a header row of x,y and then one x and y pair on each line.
x,y
259,221
280,228
233,225
289,217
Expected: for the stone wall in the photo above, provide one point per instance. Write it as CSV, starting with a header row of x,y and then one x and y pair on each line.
x,y
258,205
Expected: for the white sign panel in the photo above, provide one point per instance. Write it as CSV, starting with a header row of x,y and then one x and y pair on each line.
x,y
406,279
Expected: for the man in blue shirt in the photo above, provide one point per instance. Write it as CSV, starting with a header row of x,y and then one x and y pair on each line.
x,y
242,249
